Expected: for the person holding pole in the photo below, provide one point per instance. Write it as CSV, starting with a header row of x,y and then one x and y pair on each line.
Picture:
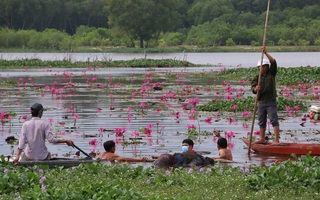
x,y
267,104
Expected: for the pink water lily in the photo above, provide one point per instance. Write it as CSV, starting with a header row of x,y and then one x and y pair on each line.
x,y
147,131
150,126
143,105
208,120
191,126
229,135
234,107
101,130
245,125
231,145
93,142
120,131
177,115
75,116
62,123
296,108
129,109
24,117
194,101
50,120
245,114
135,133
214,139
256,132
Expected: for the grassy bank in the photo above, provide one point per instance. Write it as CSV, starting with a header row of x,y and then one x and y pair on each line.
x,y
141,63
188,49
288,180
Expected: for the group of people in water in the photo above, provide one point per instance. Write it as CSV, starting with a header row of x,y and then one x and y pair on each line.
x,y
188,156
36,131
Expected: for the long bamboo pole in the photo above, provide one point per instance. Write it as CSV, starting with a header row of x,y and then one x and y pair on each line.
x,y
257,95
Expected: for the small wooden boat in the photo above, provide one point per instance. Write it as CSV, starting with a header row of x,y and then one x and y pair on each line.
x,y
58,162
284,148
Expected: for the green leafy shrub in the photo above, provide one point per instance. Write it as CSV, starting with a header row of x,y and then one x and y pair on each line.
x,y
301,174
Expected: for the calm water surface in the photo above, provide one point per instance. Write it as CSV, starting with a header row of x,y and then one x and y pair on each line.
x,y
90,93
284,59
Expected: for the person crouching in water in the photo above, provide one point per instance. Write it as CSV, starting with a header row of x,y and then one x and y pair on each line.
x,y
110,155
187,145
224,151
222,144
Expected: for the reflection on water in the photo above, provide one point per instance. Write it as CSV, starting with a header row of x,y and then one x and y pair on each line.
x,y
106,99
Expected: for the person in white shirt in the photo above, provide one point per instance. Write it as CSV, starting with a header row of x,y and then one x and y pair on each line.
x,y
33,136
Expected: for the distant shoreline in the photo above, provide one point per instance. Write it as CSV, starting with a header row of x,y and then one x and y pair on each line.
x,y
176,49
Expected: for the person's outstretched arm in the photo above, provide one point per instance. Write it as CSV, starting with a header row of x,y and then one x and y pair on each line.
x,y
126,159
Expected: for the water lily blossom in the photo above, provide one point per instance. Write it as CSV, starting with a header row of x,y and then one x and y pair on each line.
x,y
93,142
208,120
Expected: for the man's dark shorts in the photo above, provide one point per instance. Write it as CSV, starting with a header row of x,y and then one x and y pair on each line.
x,y
268,109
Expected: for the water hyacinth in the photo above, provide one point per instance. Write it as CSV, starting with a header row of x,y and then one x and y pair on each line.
x,y
43,188
307,169
42,179
244,170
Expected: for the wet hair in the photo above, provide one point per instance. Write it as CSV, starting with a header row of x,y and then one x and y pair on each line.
x,y
222,142
108,145
35,109
188,141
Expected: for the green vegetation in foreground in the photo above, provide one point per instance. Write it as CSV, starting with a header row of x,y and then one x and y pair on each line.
x,y
248,103
144,63
288,180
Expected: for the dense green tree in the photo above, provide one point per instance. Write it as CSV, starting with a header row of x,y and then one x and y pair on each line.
x,y
142,19
146,23
207,10
62,15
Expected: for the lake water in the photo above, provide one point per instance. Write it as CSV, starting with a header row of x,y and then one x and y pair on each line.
x,y
89,93
284,59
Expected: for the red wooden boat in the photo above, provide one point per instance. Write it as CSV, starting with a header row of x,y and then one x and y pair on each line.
x,y
284,148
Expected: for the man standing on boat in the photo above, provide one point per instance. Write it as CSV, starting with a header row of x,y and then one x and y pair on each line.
x,y
267,105
33,134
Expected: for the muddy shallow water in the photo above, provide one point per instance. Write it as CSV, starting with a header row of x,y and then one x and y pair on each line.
x,y
106,99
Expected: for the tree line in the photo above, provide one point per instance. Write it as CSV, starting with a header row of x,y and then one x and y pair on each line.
x,y
67,24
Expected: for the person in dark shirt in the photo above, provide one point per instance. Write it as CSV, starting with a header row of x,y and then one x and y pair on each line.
x,y
267,104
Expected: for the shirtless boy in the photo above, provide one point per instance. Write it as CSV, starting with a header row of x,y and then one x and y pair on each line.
x,y
222,144
110,155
